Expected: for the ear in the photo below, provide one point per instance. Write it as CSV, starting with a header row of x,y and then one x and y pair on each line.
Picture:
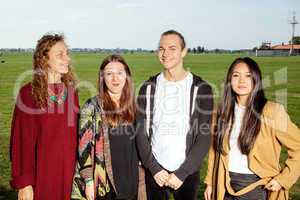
x,y
183,52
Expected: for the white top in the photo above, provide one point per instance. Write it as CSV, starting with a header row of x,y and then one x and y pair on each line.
x,y
171,121
238,162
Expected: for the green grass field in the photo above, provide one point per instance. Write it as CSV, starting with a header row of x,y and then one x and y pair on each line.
x,y
210,67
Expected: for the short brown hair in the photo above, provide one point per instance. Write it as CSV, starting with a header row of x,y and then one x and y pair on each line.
x,y
173,32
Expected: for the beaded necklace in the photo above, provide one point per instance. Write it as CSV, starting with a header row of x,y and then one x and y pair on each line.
x,y
58,98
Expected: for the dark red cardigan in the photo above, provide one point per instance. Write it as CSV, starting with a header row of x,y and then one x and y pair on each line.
x,y
43,145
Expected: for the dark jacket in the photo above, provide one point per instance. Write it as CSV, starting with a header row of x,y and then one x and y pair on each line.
x,y
198,137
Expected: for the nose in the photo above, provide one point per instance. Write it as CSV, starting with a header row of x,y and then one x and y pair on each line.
x,y
241,79
114,77
67,58
165,53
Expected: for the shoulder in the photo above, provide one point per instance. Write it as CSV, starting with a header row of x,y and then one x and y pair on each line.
x,y
89,106
150,82
198,81
24,97
72,88
204,87
272,109
25,90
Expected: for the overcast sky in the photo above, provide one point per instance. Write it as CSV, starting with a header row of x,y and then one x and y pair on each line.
x,y
228,24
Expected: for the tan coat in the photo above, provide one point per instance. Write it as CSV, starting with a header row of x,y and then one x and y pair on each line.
x,y
277,130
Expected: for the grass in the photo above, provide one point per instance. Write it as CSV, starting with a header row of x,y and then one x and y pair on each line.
x,y
279,73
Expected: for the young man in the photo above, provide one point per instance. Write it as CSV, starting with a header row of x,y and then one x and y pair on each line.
x,y
173,124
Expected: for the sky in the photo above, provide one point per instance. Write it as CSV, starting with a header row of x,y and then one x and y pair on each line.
x,y
223,24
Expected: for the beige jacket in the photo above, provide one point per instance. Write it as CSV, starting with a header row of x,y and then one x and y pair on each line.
x,y
277,130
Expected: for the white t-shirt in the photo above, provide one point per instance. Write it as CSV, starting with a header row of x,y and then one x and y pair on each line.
x,y
171,121
238,162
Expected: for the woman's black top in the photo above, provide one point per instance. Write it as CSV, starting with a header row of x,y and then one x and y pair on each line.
x,y
124,160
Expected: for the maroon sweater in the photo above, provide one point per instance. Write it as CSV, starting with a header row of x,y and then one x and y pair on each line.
x,y
43,145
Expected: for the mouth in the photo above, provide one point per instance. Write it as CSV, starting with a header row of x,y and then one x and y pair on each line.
x,y
115,84
65,65
242,87
165,59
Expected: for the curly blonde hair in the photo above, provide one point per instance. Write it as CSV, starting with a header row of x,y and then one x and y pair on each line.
x,y
40,69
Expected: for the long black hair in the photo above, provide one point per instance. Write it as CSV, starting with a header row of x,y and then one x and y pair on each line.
x,y
255,103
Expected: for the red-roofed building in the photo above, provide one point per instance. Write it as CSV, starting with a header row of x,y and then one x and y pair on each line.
x,y
287,47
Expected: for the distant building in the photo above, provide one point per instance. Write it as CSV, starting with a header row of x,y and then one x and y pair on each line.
x,y
278,50
287,48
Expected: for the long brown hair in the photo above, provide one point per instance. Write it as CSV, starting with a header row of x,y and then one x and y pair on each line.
x,y
125,113
251,121
40,69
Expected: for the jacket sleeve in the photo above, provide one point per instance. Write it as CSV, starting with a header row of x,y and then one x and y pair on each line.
x,y
211,157
142,140
23,145
86,146
199,148
288,134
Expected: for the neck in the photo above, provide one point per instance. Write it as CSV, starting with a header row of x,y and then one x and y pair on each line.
x,y
175,74
54,77
242,100
115,98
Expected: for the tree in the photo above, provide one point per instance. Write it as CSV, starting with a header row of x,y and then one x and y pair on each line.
x,y
296,40
199,49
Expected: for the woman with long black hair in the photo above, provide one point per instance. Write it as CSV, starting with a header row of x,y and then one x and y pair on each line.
x,y
248,135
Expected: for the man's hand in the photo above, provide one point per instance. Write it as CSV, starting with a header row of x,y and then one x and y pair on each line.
x,y
26,193
174,182
273,185
161,177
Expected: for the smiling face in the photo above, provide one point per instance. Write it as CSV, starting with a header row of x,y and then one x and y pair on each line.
x,y
59,59
170,52
115,78
241,80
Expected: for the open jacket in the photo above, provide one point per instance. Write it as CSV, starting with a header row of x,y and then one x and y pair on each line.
x,y
111,162
276,130
198,137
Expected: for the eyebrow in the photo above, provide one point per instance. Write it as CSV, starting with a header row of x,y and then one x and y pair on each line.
x,y
62,51
240,72
172,46
111,70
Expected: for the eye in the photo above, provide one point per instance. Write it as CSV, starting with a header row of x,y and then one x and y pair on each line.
x,y
59,54
108,73
160,50
249,75
235,75
121,73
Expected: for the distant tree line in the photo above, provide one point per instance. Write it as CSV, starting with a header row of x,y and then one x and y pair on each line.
x,y
196,50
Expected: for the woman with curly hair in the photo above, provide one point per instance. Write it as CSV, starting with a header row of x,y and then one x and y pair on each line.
x,y
43,133
107,166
